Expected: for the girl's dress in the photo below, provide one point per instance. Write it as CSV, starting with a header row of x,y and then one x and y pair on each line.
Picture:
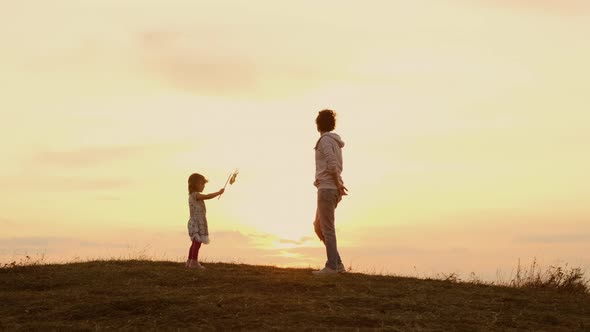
x,y
197,223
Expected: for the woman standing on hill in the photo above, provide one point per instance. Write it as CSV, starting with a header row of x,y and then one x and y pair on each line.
x,y
328,181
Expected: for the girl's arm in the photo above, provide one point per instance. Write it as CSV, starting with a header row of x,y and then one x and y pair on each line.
x,y
202,197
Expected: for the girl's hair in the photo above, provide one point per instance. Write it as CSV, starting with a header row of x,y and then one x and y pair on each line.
x,y
194,180
326,120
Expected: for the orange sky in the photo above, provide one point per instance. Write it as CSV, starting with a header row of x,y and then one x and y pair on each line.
x,y
465,121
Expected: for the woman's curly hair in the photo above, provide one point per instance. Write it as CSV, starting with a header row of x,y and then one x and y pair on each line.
x,y
326,120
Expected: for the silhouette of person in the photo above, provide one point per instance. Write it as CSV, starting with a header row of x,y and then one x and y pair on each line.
x,y
328,181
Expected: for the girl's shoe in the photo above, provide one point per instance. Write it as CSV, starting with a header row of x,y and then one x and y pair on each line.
x,y
194,264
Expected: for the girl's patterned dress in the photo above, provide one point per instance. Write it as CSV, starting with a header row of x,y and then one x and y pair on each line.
x,y
197,224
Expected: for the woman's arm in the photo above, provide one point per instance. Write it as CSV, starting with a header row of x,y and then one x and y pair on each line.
x,y
327,150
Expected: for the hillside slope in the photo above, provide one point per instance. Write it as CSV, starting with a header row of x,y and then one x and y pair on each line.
x,y
167,296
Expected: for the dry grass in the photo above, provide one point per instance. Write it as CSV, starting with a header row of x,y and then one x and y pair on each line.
x,y
564,279
561,278
138,295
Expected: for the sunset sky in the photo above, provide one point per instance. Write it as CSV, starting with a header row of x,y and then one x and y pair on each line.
x,y
466,126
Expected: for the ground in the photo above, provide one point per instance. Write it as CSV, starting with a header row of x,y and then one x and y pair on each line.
x,y
141,295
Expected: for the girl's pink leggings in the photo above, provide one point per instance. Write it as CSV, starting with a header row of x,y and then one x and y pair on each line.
x,y
193,252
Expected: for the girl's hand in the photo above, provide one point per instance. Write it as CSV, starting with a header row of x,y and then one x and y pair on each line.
x,y
221,191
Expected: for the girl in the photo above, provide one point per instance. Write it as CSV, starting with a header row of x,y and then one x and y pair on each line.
x,y
197,224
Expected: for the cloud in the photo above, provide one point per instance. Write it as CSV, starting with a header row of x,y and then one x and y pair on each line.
x,y
60,248
555,238
87,156
258,239
219,63
108,198
302,240
87,168
64,183
8,222
236,237
184,61
32,241
555,7
53,241
409,252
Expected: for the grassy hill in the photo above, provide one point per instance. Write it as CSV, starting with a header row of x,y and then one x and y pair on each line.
x,y
141,295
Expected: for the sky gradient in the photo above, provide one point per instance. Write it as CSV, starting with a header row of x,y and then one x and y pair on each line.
x,y
466,125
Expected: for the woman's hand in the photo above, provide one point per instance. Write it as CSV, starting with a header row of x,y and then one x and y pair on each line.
x,y
343,190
